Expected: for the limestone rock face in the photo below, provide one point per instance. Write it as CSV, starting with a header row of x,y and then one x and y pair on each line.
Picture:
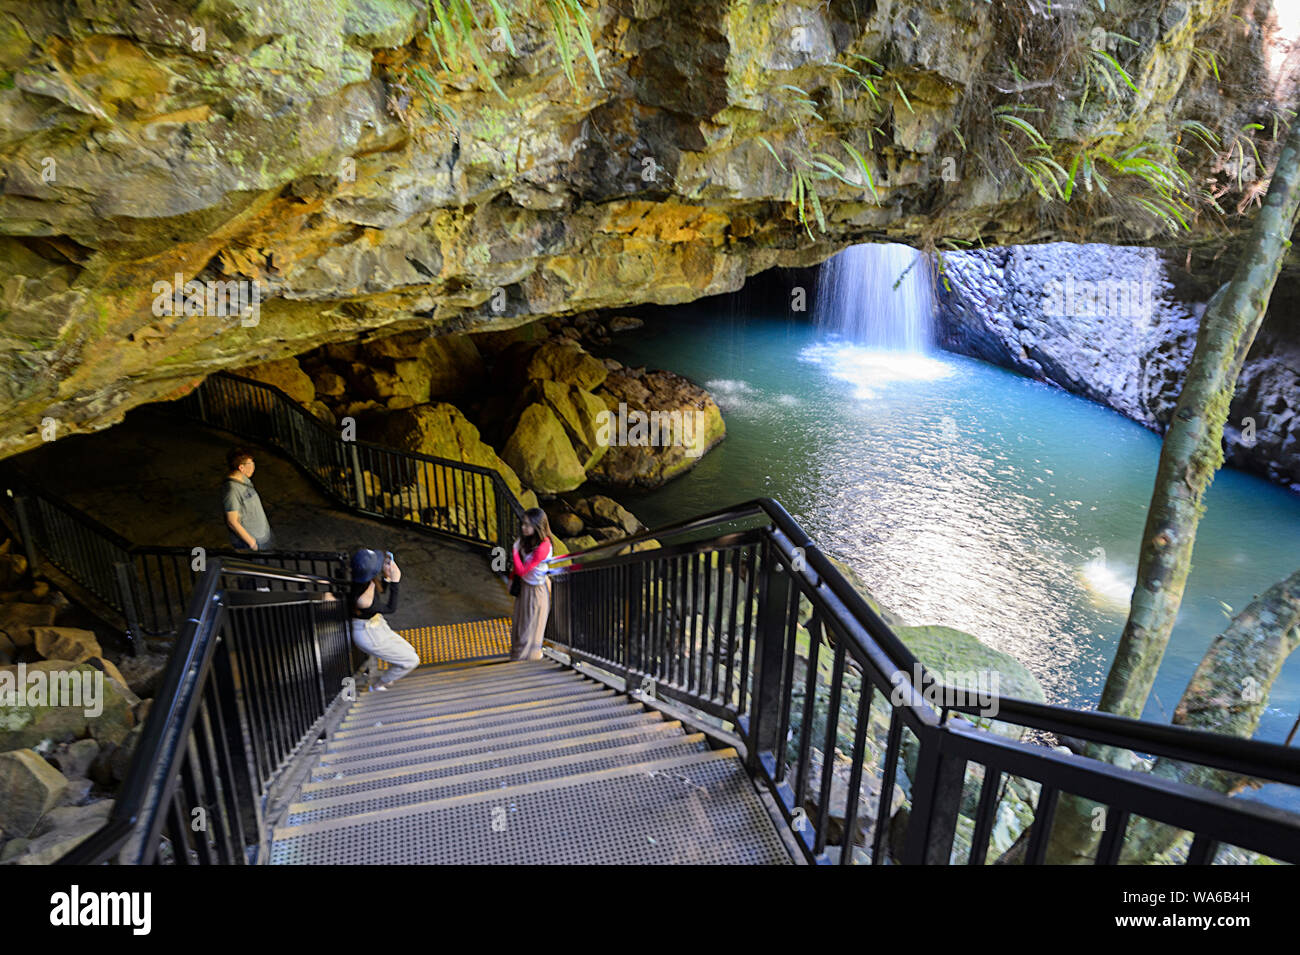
x,y
295,152
540,451
1109,324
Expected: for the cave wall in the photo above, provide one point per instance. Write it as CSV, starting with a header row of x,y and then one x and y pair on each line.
x,y
293,145
1123,338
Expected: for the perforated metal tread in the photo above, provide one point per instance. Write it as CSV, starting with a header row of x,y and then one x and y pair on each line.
x,y
423,749
432,678
554,742
552,716
700,809
521,762
456,721
417,710
494,775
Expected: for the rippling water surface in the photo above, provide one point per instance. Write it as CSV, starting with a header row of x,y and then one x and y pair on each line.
x,y
966,495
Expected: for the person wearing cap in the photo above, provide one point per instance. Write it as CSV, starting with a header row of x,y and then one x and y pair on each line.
x,y
372,573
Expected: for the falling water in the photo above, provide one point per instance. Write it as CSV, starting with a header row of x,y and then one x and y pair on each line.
x,y
857,298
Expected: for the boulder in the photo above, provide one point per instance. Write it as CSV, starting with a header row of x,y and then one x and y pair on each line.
x,y
75,759
70,831
565,523
601,511
329,384
659,426
71,707
568,363
950,651
12,568
29,788
623,323
539,450
440,430
20,616
580,412
284,374
585,542
67,643
67,817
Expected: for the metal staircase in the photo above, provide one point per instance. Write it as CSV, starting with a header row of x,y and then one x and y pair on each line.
x,y
521,763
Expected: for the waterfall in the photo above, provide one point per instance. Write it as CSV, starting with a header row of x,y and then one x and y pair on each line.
x,y
856,298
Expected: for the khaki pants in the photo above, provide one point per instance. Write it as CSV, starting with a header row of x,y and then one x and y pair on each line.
x,y
377,638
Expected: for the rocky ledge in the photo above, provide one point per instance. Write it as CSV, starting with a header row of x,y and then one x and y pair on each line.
x,y
318,153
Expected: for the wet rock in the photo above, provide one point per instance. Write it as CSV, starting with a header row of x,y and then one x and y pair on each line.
x,y
624,323
565,523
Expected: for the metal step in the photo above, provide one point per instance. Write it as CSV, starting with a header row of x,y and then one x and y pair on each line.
x,y
464,707
494,776
573,714
448,675
429,756
438,695
696,809
467,717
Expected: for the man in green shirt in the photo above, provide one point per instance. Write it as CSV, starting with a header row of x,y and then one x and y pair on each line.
x,y
245,518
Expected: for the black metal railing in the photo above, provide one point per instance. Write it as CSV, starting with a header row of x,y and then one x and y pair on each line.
x,y
252,682
735,614
466,502
145,589
739,616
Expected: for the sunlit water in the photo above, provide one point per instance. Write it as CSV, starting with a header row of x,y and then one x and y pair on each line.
x,y
966,495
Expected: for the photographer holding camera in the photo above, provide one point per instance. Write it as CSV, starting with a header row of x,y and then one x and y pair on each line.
x,y
373,573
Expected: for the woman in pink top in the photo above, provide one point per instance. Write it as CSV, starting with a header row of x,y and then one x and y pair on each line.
x,y
530,554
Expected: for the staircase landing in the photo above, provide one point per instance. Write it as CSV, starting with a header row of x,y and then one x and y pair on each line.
x,y
526,762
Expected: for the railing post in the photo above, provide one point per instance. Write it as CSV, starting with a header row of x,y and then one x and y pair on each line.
x,y
125,579
936,800
358,480
25,531
769,655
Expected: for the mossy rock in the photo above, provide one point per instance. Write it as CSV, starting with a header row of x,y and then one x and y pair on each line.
x,y
946,650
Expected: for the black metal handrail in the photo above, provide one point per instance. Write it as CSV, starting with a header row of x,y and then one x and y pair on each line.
x,y
249,687
738,614
147,587
748,622
453,499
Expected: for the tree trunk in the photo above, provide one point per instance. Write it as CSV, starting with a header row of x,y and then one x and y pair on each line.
x,y
1193,445
1192,451
1227,694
